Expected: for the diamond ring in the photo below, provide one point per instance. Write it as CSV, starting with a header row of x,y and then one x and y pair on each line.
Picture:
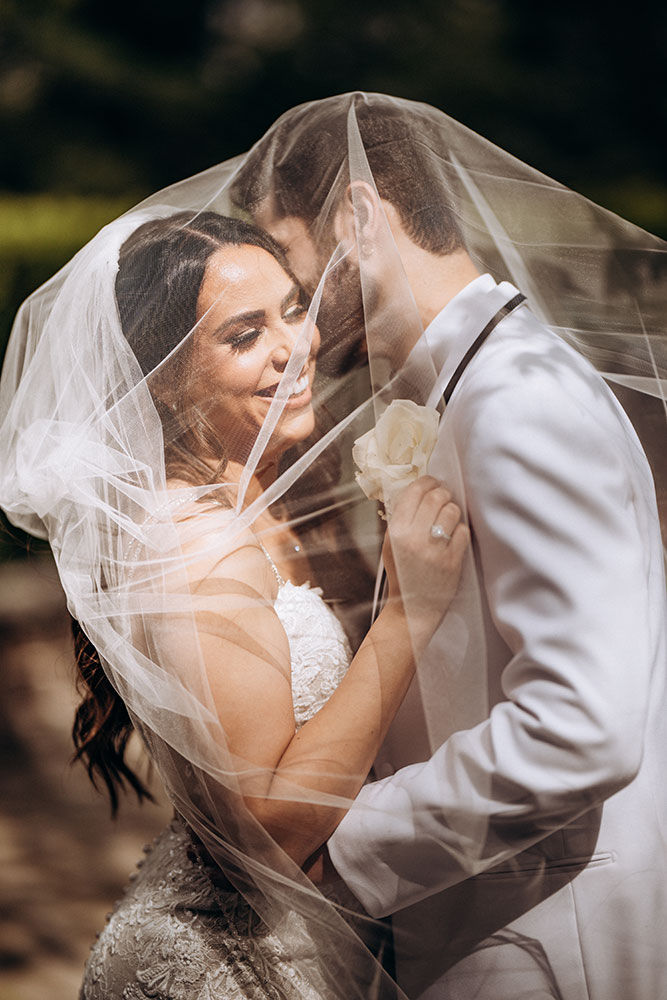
x,y
437,531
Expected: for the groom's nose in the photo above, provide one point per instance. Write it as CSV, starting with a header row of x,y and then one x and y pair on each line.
x,y
293,235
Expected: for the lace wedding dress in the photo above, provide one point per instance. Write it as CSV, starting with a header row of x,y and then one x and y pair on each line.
x,y
175,935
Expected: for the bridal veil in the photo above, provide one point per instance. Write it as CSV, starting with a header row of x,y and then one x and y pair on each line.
x,y
85,440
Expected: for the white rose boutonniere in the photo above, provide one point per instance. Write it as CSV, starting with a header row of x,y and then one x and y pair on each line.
x,y
397,450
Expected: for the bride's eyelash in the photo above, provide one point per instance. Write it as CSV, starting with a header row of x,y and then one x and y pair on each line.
x,y
295,311
245,340
298,306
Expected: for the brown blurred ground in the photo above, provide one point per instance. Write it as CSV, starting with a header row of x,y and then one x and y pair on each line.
x,y
63,862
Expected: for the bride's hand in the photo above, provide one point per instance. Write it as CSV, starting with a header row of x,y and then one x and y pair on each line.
x,y
423,571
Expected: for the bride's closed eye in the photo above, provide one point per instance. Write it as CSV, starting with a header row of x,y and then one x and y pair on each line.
x,y
297,307
240,338
295,312
245,340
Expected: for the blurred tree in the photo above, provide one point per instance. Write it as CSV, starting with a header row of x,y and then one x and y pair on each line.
x,y
109,98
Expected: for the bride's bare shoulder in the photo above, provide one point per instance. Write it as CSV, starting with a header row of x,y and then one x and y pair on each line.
x,y
215,543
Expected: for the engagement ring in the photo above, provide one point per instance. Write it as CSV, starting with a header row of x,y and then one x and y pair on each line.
x,y
437,531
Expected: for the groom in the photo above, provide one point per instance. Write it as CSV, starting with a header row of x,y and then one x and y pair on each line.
x,y
523,858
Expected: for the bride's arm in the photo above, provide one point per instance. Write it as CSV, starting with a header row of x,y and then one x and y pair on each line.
x,y
246,657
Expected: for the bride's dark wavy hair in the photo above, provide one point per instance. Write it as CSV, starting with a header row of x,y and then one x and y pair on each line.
x,y
160,273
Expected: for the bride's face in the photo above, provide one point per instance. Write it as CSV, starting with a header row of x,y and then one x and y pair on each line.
x,y
250,316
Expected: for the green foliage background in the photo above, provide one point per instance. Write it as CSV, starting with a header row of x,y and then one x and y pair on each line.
x,y
102,103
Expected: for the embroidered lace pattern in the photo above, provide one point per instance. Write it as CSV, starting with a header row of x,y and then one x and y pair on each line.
x,y
319,649
174,935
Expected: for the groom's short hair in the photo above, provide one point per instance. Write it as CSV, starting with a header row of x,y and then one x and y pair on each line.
x,y
299,162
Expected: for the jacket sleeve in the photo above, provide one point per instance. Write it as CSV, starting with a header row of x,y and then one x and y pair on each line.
x,y
552,491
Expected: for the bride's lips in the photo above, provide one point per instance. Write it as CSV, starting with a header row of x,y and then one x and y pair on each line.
x,y
301,394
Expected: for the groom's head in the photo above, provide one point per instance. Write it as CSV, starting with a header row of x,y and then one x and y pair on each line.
x,y
322,174
295,180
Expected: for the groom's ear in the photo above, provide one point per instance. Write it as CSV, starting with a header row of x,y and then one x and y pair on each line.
x,y
359,216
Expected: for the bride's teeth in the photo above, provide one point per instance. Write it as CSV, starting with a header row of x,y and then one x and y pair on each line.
x,y
300,386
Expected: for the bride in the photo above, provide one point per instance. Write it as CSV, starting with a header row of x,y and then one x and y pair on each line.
x,y
198,589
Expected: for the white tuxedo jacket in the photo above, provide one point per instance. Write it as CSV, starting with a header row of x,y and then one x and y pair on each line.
x,y
526,856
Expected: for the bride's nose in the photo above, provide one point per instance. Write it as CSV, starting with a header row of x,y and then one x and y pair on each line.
x,y
283,347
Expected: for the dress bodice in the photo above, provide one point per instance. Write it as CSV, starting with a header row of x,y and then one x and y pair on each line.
x,y
319,649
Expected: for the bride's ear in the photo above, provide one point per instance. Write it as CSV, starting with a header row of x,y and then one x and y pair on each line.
x,y
359,217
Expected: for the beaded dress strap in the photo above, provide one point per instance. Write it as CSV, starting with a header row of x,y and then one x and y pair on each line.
x,y
281,582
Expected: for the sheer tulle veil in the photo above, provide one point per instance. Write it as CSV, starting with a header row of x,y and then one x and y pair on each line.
x,y
88,431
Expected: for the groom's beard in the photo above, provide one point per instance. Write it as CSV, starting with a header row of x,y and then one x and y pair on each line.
x,y
359,329
341,321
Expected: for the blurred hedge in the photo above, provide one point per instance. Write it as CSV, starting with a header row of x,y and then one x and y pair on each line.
x,y
38,234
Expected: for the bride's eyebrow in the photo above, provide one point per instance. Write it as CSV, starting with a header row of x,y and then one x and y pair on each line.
x,y
241,319
256,316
